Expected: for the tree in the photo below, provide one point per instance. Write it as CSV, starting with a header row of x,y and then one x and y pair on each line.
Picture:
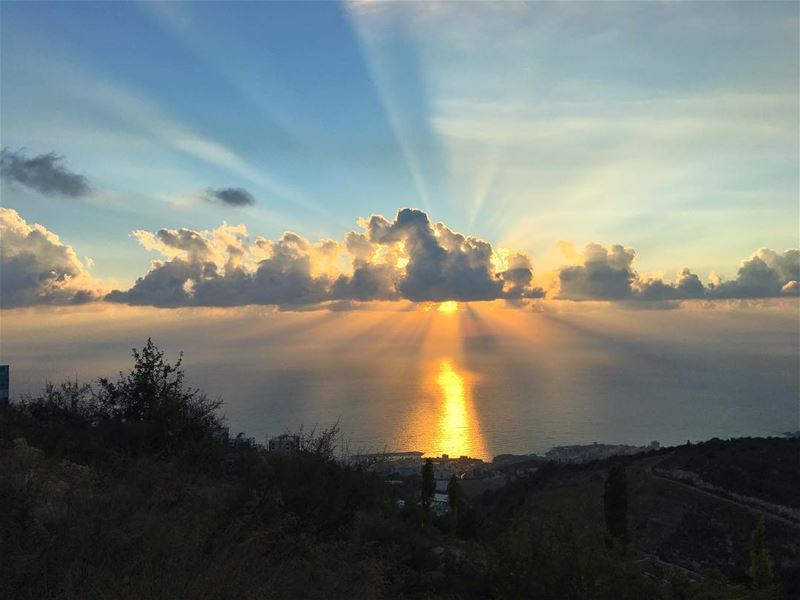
x,y
321,442
428,484
760,570
615,503
159,411
63,418
454,497
70,401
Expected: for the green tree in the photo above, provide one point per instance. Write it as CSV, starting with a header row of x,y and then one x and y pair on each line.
x,y
615,503
428,484
158,410
760,570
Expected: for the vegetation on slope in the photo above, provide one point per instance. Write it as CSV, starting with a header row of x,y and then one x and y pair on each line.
x,y
763,468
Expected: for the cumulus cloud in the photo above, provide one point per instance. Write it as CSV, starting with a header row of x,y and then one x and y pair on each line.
x,y
37,268
446,265
608,274
407,258
412,258
44,173
766,274
223,268
687,287
230,196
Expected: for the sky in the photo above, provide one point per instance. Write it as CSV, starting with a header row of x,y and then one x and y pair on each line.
x,y
667,129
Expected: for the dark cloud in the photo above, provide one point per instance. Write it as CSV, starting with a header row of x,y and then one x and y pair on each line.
x,y
230,196
186,240
166,285
368,282
443,264
518,278
766,274
44,173
36,268
608,274
688,287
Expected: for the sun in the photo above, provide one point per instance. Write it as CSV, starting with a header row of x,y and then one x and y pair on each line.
x,y
448,307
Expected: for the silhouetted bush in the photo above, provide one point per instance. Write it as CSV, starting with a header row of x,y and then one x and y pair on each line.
x,y
153,410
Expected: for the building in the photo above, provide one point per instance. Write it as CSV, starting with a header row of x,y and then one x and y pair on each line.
x,y
284,443
589,452
4,381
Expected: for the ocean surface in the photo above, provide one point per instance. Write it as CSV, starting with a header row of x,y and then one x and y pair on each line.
x,y
481,381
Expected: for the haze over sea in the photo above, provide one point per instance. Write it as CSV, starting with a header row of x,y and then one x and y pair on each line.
x,y
478,379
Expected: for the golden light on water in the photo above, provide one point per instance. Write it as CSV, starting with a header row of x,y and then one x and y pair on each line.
x,y
451,384
458,430
448,307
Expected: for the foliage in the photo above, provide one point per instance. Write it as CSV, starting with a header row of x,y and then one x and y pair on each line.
x,y
550,558
455,499
428,484
760,570
322,442
615,504
63,419
158,411
764,468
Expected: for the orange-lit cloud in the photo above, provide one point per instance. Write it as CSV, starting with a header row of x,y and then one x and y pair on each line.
x,y
407,259
37,268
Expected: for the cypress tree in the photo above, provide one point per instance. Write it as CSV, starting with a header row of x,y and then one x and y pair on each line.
x,y
428,484
760,570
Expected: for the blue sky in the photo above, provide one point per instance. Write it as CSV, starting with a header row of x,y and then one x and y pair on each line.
x,y
669,127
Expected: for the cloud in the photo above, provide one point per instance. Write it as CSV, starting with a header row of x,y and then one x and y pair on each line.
x,y
230,196
408,258
37,268
766,274
446,265
44,173
608,274
687,287
222,268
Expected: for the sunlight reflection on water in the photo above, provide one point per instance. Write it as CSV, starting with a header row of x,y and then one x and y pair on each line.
x,y
457,429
